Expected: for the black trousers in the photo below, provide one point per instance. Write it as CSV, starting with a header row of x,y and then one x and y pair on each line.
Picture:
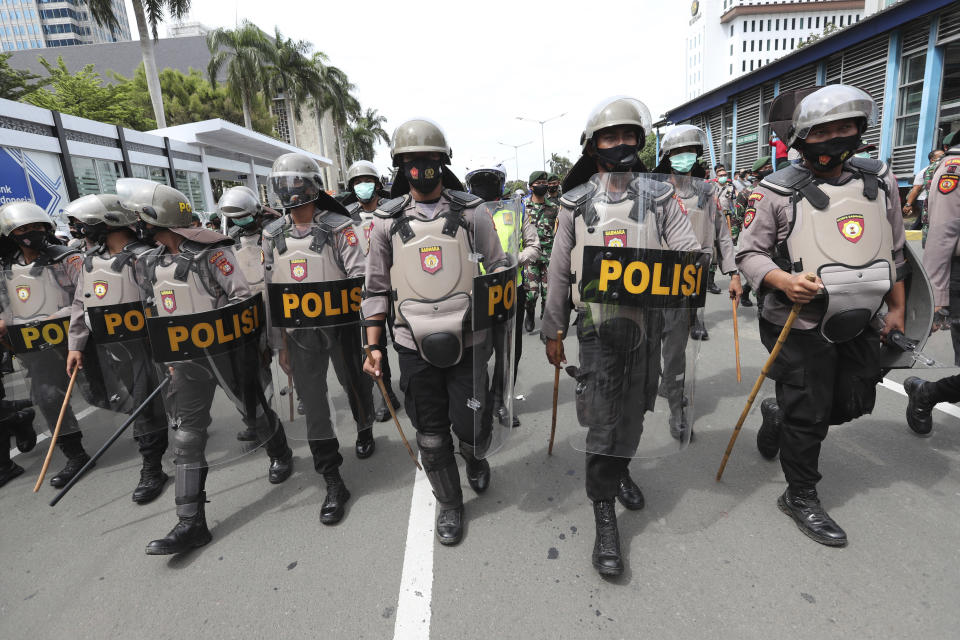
x,y
819,384
955,308
132,365
501,364
311,351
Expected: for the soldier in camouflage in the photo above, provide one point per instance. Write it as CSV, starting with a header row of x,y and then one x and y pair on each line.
x,y
543,211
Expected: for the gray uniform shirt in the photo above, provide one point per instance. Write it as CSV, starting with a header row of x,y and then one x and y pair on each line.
x,y
770,225
482,234
943,239
677,233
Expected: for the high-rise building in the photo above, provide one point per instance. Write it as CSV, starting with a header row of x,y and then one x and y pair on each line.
x,y
727,38
35,24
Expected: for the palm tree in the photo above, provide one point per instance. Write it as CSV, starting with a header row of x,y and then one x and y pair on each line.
x,y
148,13
246,52
364,134
292,75
334,95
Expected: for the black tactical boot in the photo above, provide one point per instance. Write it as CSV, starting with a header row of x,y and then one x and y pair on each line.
x,y
804,507
697,329
768,437
365,443
21,424
381,413
9,472
478,470
528,318
189,533
334,505
678,418
436,451
629,494
152,481
745,297
711,283
450,525
70,469
919,406
280,467
606,546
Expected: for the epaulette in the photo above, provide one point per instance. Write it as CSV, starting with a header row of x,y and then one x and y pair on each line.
x,y
578,195
872,172
234,232
658,190
194,248
462,198
353,209
275,227
57,252
392,207
796,179
953,151
868,165
332,222
137,248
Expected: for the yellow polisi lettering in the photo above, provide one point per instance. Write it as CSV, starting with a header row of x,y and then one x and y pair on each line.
x,y
689,280
176,336
630,284
30,335
202,335
658,288
610,270
494,296
290,302
112,321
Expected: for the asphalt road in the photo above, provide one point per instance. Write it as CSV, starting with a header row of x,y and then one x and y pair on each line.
x,y
705,559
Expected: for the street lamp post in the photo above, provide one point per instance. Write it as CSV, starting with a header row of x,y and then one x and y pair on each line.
x,y
543,145
516,157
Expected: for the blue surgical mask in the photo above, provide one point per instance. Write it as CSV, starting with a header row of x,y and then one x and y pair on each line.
x,y
244,221
364,190
683,162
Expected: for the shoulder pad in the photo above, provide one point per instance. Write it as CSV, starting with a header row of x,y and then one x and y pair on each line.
x,y
137,248
466,200
578,195
275,227
334,222
708,187
659,190
57,252
953,151
392,207
352,208
193,247
868,165
787,180
234,232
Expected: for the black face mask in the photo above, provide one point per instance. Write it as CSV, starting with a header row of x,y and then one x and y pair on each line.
x,y
830,153
76,231
554,190
95,232
488,192
144,234
36,239
763,174
540,190
423,174
619,158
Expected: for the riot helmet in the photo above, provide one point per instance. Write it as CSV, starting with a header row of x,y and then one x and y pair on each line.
x,y
830,104
362,168
615,111
618,111
14,215
295,180
418,135
487,182
155,203
683,135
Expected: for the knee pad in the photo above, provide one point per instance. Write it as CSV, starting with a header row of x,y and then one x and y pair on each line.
x,y
188,445
436,450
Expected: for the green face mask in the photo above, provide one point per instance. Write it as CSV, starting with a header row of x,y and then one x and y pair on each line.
x,y
683,162
722,180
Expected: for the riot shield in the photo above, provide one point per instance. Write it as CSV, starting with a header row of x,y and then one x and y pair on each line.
x,y
641,279
206,339
493,325
316,338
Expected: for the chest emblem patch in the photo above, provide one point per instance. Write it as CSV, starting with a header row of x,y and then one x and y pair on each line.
x,y
168,300
23,293
298,269
748,217
615,238
948,182
431,259
100,288
851,227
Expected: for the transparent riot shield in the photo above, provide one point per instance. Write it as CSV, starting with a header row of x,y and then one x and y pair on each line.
x,y
205,328
496,293
314,313
641,279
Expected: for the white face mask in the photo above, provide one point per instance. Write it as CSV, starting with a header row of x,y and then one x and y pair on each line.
x,y
364,190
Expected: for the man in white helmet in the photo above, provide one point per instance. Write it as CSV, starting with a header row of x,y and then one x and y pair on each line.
x,y
838,217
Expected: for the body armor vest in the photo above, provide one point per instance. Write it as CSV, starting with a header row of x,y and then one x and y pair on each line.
x,y
312,258
179,286
249,257
34,292
109,280
432,275
696,205
842,234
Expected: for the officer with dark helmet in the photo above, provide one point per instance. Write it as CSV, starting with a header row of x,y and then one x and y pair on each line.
x,y
366,194
41,280
607,207
192,272
424,249
108,283
838,217
312,244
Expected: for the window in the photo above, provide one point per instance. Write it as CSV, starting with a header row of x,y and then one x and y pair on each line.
x,y
761,25
809,22
731,31
731,68
777,23
752,43
858,17
909,98
818,22
768,45
776,45
731,49
792,40
744,46
751,65
841,21
743,65
769,23
793,23
753,26
783,45
949,116
744,26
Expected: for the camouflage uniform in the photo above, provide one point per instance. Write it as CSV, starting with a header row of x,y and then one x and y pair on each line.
x,y
544,216
925,215
726,201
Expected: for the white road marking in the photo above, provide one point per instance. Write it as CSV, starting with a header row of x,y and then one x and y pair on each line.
x,y
416,581
946,407
42,436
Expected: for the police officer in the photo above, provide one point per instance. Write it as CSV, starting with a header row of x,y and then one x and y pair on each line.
x,y
488,183
542,211
420,255
838,217
201,281
317,232
108,279
941,260
16,425
366,194
613,136
743,203
41,280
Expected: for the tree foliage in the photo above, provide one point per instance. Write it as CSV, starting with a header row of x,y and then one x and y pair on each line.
x,y
559,164
363,134
14,83
83,94
649,152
